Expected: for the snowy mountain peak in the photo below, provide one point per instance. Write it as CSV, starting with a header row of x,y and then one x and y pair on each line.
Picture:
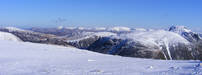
x,y
179,29
186,33
13,29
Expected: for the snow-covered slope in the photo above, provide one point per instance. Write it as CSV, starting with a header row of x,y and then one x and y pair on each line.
x,y
20,58
155,37
8,36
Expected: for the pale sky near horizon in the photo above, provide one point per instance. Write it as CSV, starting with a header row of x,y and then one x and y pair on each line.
x,y
101,13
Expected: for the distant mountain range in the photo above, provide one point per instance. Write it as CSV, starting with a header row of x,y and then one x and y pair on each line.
x,y
178,42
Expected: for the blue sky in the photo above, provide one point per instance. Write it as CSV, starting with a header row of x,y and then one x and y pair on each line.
x,y
131,13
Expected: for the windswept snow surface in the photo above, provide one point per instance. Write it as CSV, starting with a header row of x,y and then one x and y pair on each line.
x,y
8,36
24,58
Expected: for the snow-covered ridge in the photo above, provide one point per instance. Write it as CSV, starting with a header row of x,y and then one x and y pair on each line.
x,y
14,29
186,33
8,36
154,41
115,29
109,29
140,29
179,29
155,37
104,34
100,28
119,29
86,35
139,34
